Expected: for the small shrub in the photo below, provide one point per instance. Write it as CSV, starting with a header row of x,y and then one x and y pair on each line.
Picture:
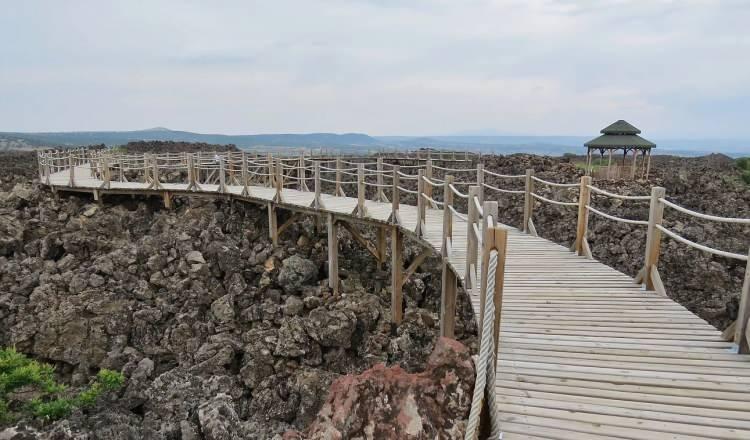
x,y
16,371
743,163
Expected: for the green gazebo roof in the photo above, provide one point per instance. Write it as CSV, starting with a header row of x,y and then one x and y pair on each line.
x,y
620,134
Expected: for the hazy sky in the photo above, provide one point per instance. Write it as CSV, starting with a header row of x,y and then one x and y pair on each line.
x,y
673,68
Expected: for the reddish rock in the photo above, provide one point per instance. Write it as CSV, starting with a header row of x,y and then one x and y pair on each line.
x,y
389,403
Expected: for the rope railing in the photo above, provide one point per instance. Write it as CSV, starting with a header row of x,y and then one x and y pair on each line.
x,y
559,185
701,247
507,191
616,196
714,218
554,202
505,176
615,218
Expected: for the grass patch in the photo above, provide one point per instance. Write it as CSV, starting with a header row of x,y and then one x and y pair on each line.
x,y
54,402
743,163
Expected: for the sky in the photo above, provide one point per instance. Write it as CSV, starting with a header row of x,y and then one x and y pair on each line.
x,y
382,67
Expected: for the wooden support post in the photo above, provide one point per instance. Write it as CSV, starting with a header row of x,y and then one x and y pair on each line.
x,y
316,169
653,237
742,329
155,174
167,199
447,217
333,255
635,161
273,225
448,301
420,203
480,181
395,196
609,165
584,199
361,190
380,243
495,238
471,239
397,246
648,164
528,205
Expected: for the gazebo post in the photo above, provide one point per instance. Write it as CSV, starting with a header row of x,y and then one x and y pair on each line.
x,y
635,162
609,165
648,164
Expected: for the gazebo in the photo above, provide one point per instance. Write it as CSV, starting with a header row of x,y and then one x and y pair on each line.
x,y
620,135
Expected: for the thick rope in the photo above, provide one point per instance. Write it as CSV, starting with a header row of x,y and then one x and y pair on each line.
x,y
485,366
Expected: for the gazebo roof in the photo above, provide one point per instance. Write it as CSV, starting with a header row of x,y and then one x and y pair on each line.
x,y
620,134
620,127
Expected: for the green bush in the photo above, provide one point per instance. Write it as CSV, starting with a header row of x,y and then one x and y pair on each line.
x,y
743,163
16,371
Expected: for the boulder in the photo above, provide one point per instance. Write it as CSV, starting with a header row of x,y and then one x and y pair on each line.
x,y
297,272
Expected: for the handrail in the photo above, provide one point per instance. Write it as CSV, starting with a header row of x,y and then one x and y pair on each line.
x,y
432,200
457,192
744,221
616,196
615,218
460,216
509,191
459,170
504,176
561,185
555,202
700,246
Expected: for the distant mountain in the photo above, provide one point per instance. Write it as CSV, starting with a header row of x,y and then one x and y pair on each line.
x,y
112,138
357,142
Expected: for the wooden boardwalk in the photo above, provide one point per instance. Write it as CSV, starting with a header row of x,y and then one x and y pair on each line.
x,y
584,352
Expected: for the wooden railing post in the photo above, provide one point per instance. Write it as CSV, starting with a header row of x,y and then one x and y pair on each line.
x,y
106,177
489,221
71,163
396,196
337,192
447,216
420,203
271,173
584,199
245,189
361,190
316,171
428,175
381,196
742,329
653,237
480,181
222,174
528,205
495,238
301,172
279,179
471,240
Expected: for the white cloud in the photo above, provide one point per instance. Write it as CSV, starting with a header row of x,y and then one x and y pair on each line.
x,y
382,67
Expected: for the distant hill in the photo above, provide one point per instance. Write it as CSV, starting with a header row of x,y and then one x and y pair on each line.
x,y
112,138
357,142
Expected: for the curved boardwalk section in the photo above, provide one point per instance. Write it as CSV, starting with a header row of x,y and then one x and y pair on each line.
x,y
583,351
